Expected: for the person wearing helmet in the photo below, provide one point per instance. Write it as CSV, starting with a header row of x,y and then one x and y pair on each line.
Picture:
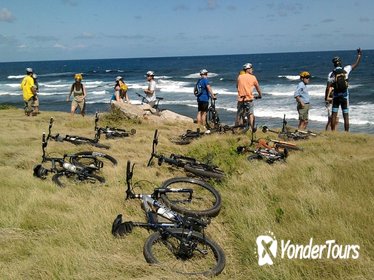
x,y
302,98
150,92
203,91
337,81
245,84
35,104
120,91
29,90
79,95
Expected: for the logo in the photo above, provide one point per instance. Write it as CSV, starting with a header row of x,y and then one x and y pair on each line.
x,y
266,249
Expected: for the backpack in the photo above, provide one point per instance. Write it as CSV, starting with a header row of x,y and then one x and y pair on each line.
x,y
340,83
198,89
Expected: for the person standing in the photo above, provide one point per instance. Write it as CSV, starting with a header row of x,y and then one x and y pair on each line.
x,y
245,84
337,81
35,103
120,91
302,98
79,95
150,92
29,90
203,91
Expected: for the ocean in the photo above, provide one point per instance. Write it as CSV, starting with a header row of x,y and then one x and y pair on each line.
x,y
176,76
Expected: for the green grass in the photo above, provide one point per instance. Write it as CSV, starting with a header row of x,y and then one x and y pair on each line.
x,y
325,192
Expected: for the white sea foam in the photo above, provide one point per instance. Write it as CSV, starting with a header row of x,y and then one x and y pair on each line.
x,y
98,92
57,86
9,93
13,85
16,76
290,77
197,75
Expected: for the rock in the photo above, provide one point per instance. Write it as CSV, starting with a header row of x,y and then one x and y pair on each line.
x,y
145,112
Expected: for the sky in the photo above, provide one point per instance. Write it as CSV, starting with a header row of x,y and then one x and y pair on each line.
x,y
95,29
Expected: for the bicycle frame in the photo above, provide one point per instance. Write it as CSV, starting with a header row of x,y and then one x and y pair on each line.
x,y
151,202
110,132
176,160
145,101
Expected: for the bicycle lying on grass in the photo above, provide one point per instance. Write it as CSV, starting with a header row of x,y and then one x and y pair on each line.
x,y
71,166
263,151
286,134
111,132
76,140
244,115
189,164
179,242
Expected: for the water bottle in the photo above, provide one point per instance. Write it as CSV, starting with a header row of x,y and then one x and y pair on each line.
x,y
168,214
70,167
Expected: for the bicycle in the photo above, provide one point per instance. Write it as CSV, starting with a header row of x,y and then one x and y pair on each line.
x,y
189,164
286,134
263,151
212,118
76,140
156,103
179,243
65,166
187,137
244,115
111,132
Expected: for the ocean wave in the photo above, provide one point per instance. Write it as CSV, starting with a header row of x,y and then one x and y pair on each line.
x,y
13,85
197,75
9,93
57,86
290,77
57,74
99,92
16,76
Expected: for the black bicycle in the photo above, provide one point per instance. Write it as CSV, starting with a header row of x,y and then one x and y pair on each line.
x,y
189,164
286,134
154,104
76,140
179,242
212,118
66,168
111,132
244,115
187,137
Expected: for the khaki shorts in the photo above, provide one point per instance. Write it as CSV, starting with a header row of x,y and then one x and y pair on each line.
x,y
303,112
75,104
35,101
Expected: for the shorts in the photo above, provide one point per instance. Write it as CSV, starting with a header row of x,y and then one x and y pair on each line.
x,y
303,112
35,101
202,106
340,101
28,106
76,104
246,105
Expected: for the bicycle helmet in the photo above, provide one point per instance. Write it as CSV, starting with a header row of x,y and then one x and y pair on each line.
x,y
150,73
78,77
203,72
304,74
34,76
29,70
337,61
247,66
119,78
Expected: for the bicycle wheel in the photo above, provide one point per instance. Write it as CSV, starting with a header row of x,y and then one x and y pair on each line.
x,y
185,252
82,140
203,201
204,170
88,158
289,146
62,178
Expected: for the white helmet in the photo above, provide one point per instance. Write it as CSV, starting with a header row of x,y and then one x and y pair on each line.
x,y
203,71
247,66
29,70
150,73
34,76
118,78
